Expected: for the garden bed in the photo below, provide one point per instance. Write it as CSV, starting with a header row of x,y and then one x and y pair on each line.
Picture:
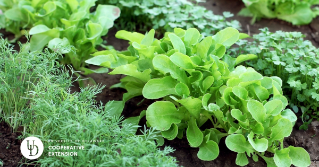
x,y
186,155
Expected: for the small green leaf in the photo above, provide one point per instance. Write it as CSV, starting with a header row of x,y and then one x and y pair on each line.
x,y
238,143
177,43
148,39
227,36
192,36
243,35
131,70
273,107
288,114
182,89
203,47
162,114
171,133
132,37
219,50
282,158
282,129
193,105
242,58
241,159
299,156
208,151
237,114
194,135
182,61
159,87
250,76
257,110
259,145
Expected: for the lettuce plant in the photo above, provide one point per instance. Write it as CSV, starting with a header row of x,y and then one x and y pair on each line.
x,y
297,12
57,23
192,83
294,60
163,16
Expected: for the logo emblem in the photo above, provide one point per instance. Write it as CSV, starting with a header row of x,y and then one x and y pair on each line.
x,y
31,147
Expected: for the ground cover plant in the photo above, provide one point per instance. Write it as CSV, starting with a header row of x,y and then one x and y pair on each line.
x,y
297,12
194,82
293,59
55,23
165,15
53,113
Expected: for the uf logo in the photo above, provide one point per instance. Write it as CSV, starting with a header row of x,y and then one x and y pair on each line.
x,y
31,147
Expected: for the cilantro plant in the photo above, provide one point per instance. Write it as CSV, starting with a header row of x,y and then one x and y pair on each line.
x,y
163,15
194,82
293,59
297,12
57,23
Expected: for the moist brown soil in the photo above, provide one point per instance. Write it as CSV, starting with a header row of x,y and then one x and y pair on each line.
x,y
186,155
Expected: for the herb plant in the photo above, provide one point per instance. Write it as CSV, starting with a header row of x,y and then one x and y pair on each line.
x,y
18,72
293,59
165,15
297,12
195,82
60,23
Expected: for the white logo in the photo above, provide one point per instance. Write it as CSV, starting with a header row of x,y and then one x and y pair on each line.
x,y
31,147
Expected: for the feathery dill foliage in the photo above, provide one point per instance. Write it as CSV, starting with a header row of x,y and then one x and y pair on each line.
x,y
18,73
293,59
64,116
164,15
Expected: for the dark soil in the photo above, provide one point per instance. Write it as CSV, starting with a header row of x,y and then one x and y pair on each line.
x,y
186,155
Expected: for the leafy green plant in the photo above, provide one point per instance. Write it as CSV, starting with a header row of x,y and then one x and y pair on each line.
x,y
195,82
60,23
165,15
297,12
294,60
18,72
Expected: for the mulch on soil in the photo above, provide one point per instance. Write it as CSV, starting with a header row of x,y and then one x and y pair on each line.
x,y
186,155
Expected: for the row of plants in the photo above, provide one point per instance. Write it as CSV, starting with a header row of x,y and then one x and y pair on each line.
x,y
297,12
293,59
35,95
193,81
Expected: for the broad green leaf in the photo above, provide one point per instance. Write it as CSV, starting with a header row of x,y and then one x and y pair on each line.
x,y
273,107
227,36
261,92
39,40
149,37
14,14
242,58
257,128
132,37
59,45
162,114
177,43
219,50
165,65
182,89
237,114
241,159
193,105
259,145
250,76
302,15
282,158
194,135
94,30
299,156
39,29
270,161
171,133
114,108
207,82
192,36
159,87
205,100
203,47
288,114
182,61
238,143
208,151
131,70
134,121
240,92
282,129
106,60
179,32
257,110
